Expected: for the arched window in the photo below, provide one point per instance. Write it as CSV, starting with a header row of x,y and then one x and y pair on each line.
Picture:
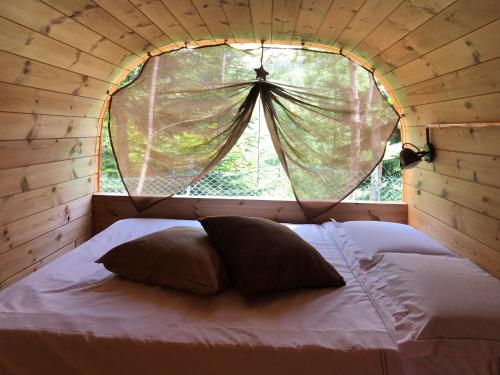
x,y
252,168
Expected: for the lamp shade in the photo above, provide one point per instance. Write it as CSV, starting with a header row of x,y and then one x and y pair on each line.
x,y
408,158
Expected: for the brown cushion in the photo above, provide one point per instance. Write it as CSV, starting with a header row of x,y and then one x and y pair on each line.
x,y
182,258
262,256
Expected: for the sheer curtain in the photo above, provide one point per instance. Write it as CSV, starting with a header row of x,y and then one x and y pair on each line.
x,y
328,121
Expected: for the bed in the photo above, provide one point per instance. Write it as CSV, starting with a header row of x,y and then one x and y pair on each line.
x,y
75,317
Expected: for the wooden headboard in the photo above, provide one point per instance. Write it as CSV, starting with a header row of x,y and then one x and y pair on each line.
x,y
110,208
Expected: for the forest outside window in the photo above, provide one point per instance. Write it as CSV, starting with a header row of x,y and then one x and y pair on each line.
x,y
252,168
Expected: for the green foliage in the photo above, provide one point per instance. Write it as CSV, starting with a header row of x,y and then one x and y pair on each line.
x,y
132,75
396,135
252,167
108,167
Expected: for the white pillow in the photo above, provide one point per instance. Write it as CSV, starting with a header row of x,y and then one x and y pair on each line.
x,y
439,305
375,237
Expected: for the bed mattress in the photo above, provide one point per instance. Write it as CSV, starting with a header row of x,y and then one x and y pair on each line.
x,y
75,317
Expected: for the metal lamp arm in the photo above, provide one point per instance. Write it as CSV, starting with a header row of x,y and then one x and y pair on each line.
x,y
411,144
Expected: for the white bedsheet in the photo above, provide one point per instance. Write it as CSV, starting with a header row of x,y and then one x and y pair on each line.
x,y
75,317
442,311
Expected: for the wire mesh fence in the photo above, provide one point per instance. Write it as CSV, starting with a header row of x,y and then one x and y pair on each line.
x,y
388,189
273,184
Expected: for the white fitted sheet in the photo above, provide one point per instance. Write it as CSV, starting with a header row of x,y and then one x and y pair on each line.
x,y
75,317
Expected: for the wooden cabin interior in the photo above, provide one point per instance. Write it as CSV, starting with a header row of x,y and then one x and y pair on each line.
x,y
439,61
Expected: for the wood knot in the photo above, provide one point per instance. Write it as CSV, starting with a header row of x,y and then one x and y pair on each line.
x,y
444,193
27,67
373,216
24,184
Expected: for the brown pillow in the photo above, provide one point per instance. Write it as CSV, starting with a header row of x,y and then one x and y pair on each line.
x,y
182,258
262,256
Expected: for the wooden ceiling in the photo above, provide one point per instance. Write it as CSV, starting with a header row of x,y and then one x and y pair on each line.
x,y
101,40
117,30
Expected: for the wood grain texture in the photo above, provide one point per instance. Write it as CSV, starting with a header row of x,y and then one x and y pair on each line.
x,y
439,58
185,12
30,152
133,18
48,21
474,48
311,16
482,228
18,180
404,19
481,108
110,208
25,42
482,169
23,230
483,199
30,253
26,72
214,16
30,126
475,80
457,241
285,16
157,12
261,12
96,18
338,16
43,262
467,139
29,100
366,20
17,206
239,18
456,198
459,19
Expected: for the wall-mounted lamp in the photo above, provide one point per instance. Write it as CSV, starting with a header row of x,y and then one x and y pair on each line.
x,y
409,158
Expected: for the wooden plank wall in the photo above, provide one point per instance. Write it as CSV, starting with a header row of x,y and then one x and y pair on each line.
x,y
448,71
52,87
108,209
456,199
439,58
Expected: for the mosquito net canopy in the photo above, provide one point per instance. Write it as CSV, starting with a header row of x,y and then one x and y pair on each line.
x,y
328,121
